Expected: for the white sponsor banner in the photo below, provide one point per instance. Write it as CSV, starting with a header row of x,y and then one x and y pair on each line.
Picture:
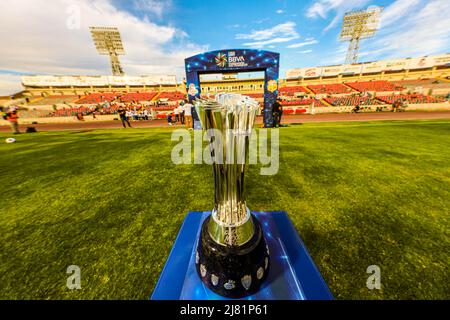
x,y
396,65
420,63
294,73
332,71
351,69
82,81
442,60
312,72
372,67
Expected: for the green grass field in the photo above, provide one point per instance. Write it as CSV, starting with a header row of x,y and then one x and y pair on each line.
x,y
112,202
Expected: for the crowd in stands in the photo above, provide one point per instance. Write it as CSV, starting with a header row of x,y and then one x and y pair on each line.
x,y
335,88
375,85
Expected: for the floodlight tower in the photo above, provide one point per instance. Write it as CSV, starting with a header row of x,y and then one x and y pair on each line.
x,y
108,42
359,25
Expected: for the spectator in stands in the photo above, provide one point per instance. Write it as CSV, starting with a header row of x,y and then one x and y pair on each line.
x,y
145,114
13,118
188,115
123,117
129,114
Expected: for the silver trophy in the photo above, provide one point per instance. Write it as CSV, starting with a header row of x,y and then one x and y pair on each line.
x,y
232,255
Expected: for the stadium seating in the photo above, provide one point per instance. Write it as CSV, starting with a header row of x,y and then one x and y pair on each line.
x,y
254,95
302,102
172,96
351,101
291,91
143,96
376,85
98,98
336,88
410,98
425,83
51,100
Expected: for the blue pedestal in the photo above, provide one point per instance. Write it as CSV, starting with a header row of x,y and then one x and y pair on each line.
x,y
293,274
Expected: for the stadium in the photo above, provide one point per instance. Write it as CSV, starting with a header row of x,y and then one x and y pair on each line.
x,y
422,83
363,173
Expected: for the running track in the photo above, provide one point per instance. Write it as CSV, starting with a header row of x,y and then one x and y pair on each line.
x,y
286,119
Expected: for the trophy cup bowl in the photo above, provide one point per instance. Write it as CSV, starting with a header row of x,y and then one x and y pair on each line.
x,y
232,256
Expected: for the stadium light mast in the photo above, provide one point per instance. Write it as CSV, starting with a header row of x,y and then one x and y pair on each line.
x,y
359,25
109,42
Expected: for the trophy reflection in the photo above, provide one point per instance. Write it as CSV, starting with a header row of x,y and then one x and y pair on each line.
x,y
232,257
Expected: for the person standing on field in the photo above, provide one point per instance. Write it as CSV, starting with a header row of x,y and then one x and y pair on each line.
x,y
188,115
123,117
13,119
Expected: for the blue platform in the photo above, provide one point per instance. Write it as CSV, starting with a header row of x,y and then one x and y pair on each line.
x,y
293,274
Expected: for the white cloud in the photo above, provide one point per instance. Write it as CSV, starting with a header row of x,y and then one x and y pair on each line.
x,y
321,8
284,32
396,11
304,51
280,11
157,7
39,41
311,41
420,29
261,44
286,29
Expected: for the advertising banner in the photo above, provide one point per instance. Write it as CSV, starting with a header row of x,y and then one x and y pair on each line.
x,y
97,81
294,73
312,72
373,67
396,65
351,69
332,71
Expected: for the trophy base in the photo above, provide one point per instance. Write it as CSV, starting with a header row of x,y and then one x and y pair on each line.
x,y
233,272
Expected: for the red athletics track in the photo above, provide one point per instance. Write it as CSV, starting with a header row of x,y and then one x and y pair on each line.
x,y
290,119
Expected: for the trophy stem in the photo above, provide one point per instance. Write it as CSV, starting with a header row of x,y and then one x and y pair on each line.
x,y
232,255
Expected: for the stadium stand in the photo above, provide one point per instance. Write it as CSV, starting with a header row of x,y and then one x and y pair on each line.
x,y
410,98
144,96
336,88
425,83
351,101
98,98
255,95
292,91
375,85
172,96
302,102
51,100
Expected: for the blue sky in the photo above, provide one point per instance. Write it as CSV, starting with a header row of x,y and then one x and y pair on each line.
x,y
159,34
